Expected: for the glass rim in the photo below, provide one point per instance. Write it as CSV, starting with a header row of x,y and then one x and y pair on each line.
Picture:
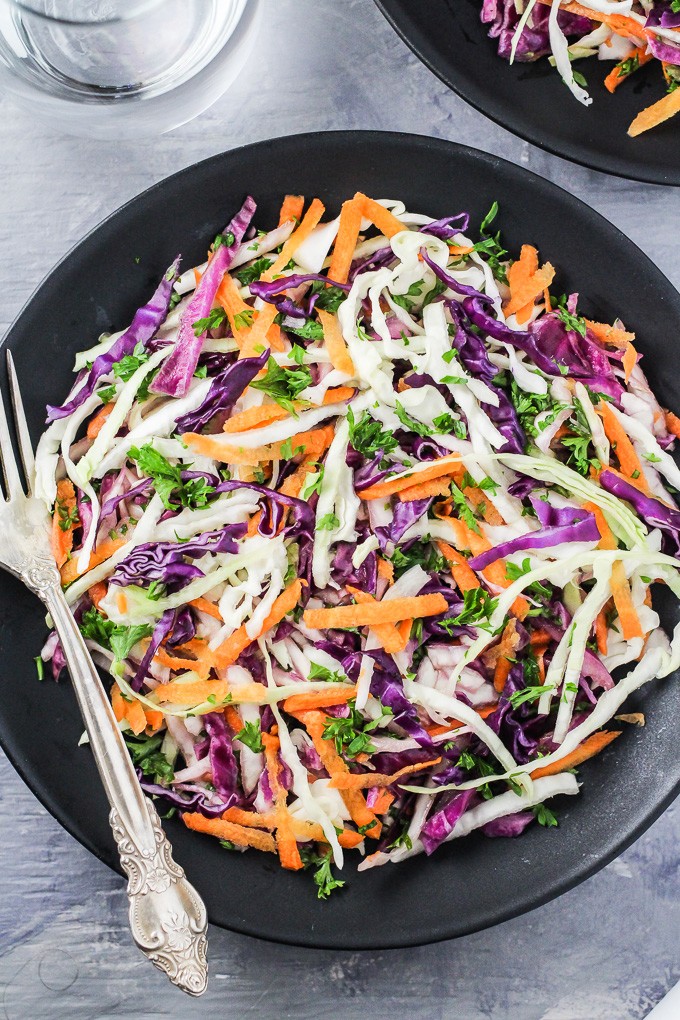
x,y
140,8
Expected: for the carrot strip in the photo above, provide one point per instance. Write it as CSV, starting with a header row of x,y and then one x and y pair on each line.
x,y
435,469
209,608
154,720
523,269
229,297
461,571
286,844
255,417
387,611
385,570
131,711
619,73
234,721
607,540
201,667
656,114
229,651
303,829
528,288
589,748
629,361
237,834
265,414
335,343
379,216
97,592
461,249
391,639
64,521
346,241
630,621
262,331
307,225
435,487
69,571
628,459
96,424
509,642
383,802
355,802
613,335
291,209
601,632
315,442
365,780
319,699
672,423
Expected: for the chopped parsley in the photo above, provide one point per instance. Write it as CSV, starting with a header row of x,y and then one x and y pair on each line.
x,y
284,384
367,435
573,322
251,736
323,876
147,756
318,672
329,522
168,484
479,605
544,816
214,320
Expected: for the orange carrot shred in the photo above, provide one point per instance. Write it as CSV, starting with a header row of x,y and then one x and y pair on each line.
x,y
387,611
291,209
335,343
106,549
97,423
229,651
588,749
64,522
237,834
346,241
365,780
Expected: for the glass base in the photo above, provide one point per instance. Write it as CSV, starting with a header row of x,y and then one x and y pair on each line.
x,y
131,78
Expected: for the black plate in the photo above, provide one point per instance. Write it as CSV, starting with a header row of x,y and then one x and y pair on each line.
x,y
531,100
475,882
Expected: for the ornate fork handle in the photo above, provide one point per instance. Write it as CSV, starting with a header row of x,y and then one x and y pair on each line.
x,y
167,916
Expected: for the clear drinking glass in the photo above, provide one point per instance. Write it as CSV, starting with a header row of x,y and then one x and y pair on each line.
x,y
122,68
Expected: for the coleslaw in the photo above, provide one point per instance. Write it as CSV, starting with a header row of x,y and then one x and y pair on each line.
x,y
362,521
631,33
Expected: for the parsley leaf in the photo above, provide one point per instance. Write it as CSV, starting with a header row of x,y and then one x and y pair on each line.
x,y
464,512
323,876
251,736
479,606
529,694
284,384
328,523
544,816
147,756
214,320
318,672
167,479
573,322
312,330
367,435
329,299
421,553
248,274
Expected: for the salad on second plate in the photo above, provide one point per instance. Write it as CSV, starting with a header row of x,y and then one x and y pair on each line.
x,y
362,519
631,33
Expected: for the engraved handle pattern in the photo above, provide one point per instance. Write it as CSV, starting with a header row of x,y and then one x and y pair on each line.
x,y
167,916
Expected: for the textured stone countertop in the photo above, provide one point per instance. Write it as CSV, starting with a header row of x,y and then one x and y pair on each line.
x,y
605,951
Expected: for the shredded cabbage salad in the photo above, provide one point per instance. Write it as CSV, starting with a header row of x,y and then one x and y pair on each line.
x,y
631,33
362,522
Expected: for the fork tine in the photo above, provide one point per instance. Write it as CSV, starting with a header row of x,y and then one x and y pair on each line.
x,y
23,435
9,464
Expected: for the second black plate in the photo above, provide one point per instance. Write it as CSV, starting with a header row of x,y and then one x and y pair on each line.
x,y
531,100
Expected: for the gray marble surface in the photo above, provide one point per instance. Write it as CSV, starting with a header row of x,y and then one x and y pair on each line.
x,y
605,951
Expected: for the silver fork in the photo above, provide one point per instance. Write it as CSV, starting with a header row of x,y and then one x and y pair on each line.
x,y
167,916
